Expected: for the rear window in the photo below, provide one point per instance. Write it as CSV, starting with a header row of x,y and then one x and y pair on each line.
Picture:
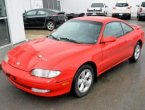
x,y
121,4
143,4
97,5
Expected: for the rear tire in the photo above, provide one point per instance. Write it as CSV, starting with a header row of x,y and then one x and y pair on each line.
x,y
50,25
139,18
136,53
129,17
83,81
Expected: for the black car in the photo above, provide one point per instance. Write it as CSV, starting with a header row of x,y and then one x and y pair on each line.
x,y
43,18
74,15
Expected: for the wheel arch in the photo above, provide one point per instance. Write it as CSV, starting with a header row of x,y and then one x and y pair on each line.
x,y
48,20
94,66
140,41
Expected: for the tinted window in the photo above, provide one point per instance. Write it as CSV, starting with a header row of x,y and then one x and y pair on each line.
x,y
55,11
80,31
121,4
31,13
143,4
51,12
97,5
113,29
126,28
42,13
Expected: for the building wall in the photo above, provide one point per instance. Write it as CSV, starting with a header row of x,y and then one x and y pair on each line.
x,y
15,20
80,6
15,10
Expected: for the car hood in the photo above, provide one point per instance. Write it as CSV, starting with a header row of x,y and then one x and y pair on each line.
x,y
28,55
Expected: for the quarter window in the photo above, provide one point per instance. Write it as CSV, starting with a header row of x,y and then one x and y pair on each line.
x,y
126,28
113,29
31,13
42,13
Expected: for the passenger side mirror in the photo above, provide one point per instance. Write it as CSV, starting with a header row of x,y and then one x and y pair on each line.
x,y
106,6
137,5
108,39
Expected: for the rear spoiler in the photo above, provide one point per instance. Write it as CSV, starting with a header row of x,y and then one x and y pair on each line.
x,y
62,12
135,26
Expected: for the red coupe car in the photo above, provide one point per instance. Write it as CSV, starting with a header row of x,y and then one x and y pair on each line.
x,y
72,57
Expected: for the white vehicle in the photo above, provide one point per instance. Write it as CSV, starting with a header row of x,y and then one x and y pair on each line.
x,y
122,10
97,9
141,11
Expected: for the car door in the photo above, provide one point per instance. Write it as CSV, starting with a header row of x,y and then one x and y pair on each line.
x,y
29,18
113,52
41,18
129,35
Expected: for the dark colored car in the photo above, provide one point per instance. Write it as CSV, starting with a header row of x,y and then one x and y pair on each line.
x,y
43,18
74,15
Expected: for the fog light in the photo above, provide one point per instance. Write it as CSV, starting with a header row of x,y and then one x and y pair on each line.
x,y
40,90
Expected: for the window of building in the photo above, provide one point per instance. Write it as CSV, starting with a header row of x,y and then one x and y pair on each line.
x,y
4,31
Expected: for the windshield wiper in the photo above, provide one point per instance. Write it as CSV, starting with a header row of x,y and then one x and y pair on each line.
x,y
51,36
71,40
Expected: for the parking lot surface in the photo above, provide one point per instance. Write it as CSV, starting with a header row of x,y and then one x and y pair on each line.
x,y
121,88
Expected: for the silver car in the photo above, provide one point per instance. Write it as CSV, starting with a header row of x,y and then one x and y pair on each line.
x,y
97,9
141,11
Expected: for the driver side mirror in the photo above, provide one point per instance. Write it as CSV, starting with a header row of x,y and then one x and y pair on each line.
x,y
137,5
108,39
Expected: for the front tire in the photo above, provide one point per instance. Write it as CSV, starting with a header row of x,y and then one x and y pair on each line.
x,y
136,53
83,81
139,18
129,17
50,25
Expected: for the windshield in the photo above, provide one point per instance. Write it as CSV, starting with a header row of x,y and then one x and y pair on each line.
x,y
97,5
143,4
78,31
121,4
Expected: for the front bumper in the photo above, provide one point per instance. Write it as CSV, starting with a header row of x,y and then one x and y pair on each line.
x,y
24,81
121,15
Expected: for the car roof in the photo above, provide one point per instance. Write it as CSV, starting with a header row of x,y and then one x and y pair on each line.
x,y
122,1
98,19
44,9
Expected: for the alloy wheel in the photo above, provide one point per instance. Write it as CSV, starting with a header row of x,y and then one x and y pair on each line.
x,y
50,26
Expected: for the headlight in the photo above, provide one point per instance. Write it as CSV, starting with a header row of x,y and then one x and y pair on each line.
x,y
45,73
6,59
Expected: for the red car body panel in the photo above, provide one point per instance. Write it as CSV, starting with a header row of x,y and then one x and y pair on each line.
x,y
66,57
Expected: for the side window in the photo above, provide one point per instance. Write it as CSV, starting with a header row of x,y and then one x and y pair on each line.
x,y
126,28
31,13
42,13
113,29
